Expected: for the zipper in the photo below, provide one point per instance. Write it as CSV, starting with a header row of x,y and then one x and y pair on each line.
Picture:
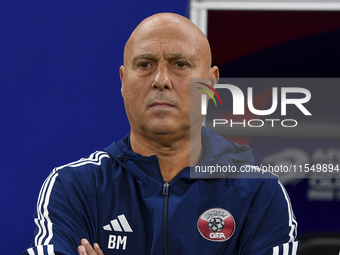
x,y
165,192
165,216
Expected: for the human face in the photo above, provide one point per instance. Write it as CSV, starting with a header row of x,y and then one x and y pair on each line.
x,y
159,62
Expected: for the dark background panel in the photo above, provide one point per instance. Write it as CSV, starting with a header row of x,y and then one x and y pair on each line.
x,y
285,44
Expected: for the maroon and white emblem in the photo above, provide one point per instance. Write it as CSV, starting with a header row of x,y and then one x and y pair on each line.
x,y
216,224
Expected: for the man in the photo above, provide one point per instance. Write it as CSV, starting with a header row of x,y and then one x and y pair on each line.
x,y
136,196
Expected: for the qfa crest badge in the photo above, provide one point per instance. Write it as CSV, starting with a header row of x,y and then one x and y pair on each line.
x,y
216,224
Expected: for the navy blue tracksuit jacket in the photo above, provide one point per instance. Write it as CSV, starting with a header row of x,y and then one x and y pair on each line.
x,y
119,199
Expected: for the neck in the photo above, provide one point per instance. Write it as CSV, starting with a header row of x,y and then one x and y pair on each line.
x,y
173,151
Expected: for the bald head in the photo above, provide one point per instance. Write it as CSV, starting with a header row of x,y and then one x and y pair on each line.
x,y
163,26
161,56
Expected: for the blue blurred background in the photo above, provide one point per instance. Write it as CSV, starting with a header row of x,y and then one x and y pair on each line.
x,y
59,93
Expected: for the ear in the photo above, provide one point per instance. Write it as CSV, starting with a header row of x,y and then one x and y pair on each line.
x,y
121,74
214,75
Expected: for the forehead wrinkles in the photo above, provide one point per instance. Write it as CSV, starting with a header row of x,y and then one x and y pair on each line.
x,y
164,48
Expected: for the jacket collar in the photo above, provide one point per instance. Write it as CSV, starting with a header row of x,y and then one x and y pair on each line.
x,y
215,150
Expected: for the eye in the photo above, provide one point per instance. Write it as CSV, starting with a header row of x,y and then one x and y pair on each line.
x,y
180,64
144,65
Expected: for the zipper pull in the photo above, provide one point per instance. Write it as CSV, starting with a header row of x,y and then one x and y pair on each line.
x,y
166,188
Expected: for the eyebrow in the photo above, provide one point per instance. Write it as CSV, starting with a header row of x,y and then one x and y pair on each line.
x,y
143,56
171,56
174,56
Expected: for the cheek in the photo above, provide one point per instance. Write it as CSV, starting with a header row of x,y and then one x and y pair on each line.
x,y
134,89
184,96
134,98
135,102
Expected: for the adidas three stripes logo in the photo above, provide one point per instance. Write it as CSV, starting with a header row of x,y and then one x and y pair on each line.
x,y
120,225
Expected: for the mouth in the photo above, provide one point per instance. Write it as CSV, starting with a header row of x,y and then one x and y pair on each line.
x,y
161,105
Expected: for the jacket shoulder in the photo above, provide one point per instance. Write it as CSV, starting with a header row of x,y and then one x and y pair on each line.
x,y
92,172
255,183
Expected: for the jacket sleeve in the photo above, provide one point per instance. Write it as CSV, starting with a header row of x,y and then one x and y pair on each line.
x,y
271,227
60,218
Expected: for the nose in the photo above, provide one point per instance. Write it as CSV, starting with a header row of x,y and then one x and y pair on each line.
x,y
162,79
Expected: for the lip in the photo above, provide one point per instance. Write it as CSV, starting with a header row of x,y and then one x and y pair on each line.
x,y
161,105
